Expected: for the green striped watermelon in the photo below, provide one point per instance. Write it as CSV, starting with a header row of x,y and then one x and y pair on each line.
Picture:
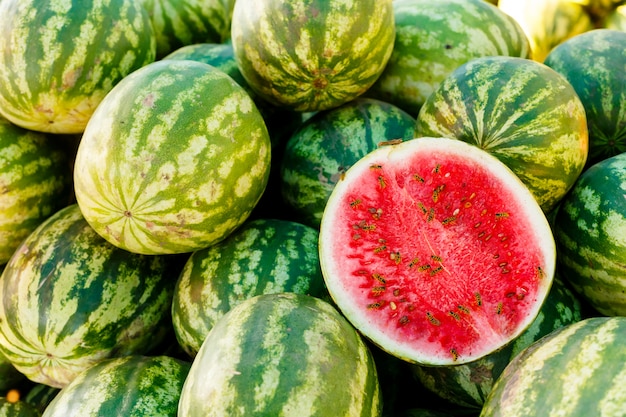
x,y
469,384
320,151
436,251
58,59
590,233
35,182
173,160
314,55
40,396
262,256
129,386
435,37
547,23
289,355
575,371
178,23
69,299
521,111
595,68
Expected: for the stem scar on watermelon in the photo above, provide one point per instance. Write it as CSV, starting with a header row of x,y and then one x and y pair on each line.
x,y
436,251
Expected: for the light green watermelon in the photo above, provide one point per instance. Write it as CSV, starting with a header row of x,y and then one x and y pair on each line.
x,y
58,59
174,159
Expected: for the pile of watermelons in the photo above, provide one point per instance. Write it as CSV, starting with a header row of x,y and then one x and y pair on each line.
x,y
398,208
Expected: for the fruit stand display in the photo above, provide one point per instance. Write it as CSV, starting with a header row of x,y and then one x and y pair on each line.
x,y
373,208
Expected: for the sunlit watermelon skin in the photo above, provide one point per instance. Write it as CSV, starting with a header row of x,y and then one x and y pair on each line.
x,y
310,56
58,59
173,160
435,37
575,371
289,355
320,151
70,299
262,256
178,23
468,385
590,231
595,68
521,111
436,251
129,386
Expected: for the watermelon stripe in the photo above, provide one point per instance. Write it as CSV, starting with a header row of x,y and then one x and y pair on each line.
x,y
576,355
265,380
131,202
309,47
522,112
74,303
58,91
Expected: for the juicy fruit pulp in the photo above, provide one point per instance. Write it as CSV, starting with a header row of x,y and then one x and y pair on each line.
x,y
436,251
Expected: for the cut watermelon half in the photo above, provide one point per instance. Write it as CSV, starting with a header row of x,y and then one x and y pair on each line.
x,y
436,251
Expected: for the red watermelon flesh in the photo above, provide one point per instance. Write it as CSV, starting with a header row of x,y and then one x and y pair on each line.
x,y
436,251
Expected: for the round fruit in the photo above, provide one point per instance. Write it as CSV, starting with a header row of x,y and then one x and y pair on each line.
x,y
129,386
262,256
435,37
69,299
289,355
315,55
58,59
521,111
575,371
590,232
436,251
595,68
173,160
320,151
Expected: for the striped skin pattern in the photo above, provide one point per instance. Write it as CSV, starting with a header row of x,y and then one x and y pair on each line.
x,y
320,151
595,68
59,58
519,110
435,37
128,386
69,299
173,160
575,371
178,23
547,23
262,256
35,182
288,355
313,55
17,409
590,232
469,384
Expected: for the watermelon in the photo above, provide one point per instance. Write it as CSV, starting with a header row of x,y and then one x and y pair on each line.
x,y
575,371
590,233
435,37
178,23
595,68
320,151
69,299
40,396
17,408
173,160
469,384
315,55
133,385
523,112
436,251
36,181
58,59
547,23
289,355
262,256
